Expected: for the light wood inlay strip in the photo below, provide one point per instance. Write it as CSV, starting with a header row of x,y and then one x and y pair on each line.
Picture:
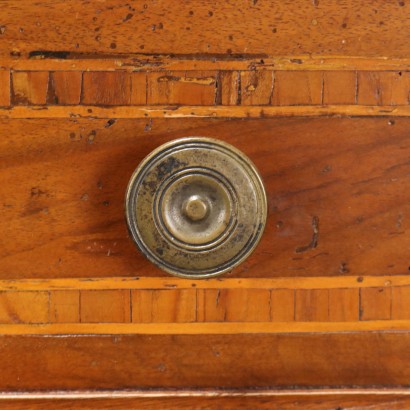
x,y
141,62
204,328
325,282
27,112
157,393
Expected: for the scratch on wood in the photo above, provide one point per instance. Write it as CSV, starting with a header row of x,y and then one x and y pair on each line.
x,y
148,127
37,192
399,220
127,17
272,88
343,267
239,98
110,123
356,95
322,90
46,54
195,80
360,305
218,89
315,237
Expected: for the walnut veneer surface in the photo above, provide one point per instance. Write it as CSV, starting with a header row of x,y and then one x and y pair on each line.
x,y
316,93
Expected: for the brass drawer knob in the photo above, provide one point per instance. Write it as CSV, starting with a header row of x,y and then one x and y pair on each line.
x,y
196,207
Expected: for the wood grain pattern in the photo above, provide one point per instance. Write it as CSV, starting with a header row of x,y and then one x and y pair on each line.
x,y
65,306
225,304
24,307
232,361
164,306
312,305
375,303
30,87
391,88
400,302
182,88
228,87
257,87
210,88
282,305
243,305
65,87
298,88
5,99
343,305
106,88
211,305
340,87
373,28
87,89
138,89
104,306
70,191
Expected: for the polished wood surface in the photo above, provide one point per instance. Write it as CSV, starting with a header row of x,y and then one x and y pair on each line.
x,y
315,93
241,361
365,28
347,177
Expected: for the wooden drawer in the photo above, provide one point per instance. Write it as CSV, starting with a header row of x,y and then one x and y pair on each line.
x,y
317,96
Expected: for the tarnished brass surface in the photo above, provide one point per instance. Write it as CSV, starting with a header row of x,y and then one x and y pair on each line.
x,y
196,207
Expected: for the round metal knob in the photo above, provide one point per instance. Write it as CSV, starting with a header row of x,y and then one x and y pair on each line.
x,y
196,207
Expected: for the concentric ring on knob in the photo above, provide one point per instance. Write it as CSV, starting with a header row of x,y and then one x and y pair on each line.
x,y
196,207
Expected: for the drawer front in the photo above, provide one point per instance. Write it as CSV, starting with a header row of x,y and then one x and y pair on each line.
x,y
336,190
